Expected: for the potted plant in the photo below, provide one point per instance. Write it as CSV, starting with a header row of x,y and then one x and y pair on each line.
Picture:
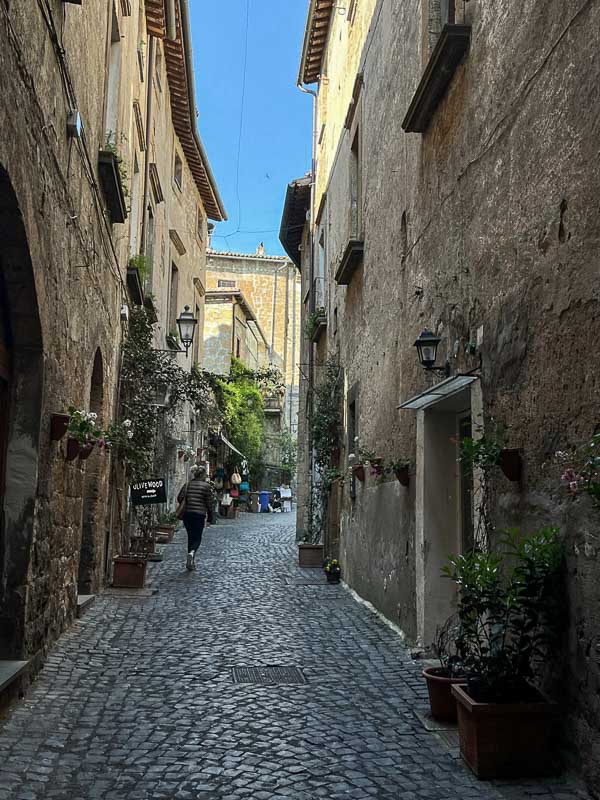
x,y
440,679
333,571
310,552
83,433
400,468
580,469
510,617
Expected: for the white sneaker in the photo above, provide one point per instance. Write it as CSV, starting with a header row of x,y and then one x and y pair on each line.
x,y
189,564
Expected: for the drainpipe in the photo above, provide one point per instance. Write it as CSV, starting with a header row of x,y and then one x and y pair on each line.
x,y
170,20
189,68
149,93
312,273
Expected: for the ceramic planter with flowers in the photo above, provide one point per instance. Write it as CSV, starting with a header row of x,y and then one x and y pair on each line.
x,y
333,571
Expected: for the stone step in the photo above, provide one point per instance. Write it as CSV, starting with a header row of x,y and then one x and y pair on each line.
x,y
10,683
84,601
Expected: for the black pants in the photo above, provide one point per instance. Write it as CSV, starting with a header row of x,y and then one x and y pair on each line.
x,y
194,525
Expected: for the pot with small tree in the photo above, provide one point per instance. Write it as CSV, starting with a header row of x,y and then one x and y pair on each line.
x,y
510,618
441,679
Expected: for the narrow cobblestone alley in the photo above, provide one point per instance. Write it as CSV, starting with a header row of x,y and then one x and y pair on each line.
x,y
137,700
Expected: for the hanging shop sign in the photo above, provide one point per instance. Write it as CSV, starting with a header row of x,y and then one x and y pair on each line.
x,y
150,492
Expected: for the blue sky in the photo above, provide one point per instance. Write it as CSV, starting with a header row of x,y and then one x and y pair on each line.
x,y
276,129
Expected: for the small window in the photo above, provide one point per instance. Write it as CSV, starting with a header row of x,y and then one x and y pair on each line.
x,y
178,172
199,224
238,346
223,284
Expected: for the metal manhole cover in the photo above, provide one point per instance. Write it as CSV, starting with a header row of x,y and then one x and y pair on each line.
x,y
267,675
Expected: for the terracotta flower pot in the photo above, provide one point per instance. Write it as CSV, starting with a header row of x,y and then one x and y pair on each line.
x,y
506,740
439,686
402,476
359,472
73,448
511,464
58,426
85,451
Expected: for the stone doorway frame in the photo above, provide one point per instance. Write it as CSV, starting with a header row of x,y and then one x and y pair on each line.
x,y
18,501
438,513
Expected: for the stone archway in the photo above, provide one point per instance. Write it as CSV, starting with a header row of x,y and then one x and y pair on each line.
x,y
93,516
21,388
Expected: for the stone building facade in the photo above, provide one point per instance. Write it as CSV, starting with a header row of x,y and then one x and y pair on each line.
x,y
265,331
79,85
271,285
455,190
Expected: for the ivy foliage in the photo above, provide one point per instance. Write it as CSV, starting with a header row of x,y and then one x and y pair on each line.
x,y
326,423
144,371
239,397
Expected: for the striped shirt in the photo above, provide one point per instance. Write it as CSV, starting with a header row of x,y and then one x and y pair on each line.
x,y
199,497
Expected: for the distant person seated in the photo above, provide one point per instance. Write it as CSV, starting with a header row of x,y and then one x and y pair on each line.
x,y
276,501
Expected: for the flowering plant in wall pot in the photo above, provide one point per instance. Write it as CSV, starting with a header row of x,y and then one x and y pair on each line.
x,y
580,469
82,426
400,468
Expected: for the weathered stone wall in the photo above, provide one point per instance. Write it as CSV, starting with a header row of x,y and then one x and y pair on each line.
x,y
488,222
218,332
62,285
75,282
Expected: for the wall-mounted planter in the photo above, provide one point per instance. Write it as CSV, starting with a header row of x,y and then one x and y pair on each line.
x,y
359,472
58,426
403,476
110,180
73,448
511,464
85,451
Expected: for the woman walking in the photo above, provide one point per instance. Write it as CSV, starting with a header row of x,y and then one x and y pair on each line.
x,y
199,504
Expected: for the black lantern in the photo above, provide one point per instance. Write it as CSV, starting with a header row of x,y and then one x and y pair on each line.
x,y
187,327
427,346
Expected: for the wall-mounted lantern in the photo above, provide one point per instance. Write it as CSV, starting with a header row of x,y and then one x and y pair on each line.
x,y
427,347
187,327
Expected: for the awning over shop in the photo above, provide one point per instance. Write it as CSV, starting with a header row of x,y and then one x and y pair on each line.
x,y
231,447
440,391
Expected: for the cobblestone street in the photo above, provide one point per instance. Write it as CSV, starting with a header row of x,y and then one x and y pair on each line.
x,y
137,700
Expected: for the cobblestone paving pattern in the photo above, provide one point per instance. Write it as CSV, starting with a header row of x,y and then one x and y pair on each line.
x,y
136,702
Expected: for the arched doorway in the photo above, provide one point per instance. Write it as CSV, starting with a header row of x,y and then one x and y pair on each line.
x,y
93,516
21,389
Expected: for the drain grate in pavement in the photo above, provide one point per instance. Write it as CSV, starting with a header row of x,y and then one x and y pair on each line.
x,y
267,675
